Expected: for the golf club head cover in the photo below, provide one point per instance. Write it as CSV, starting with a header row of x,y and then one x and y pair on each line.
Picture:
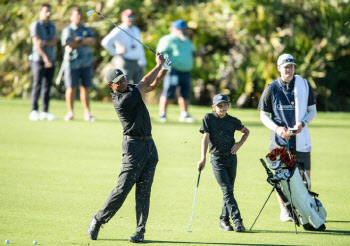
x,y
281,154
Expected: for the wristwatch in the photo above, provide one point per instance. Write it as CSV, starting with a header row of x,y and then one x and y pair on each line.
x,y
303,124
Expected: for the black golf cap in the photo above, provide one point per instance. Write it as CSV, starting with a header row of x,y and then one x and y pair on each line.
x,y
219,98
114,75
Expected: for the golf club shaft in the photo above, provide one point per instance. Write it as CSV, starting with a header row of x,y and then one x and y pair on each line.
x,y
262,208
60,74
195,197
126,32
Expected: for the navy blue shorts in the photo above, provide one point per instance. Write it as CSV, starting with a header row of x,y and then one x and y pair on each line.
x,y
81,75
176,79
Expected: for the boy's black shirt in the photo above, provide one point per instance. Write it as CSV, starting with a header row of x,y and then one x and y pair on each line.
x,y
221,132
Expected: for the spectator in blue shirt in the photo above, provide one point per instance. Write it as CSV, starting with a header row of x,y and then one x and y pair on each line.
x,y
43,34
78,41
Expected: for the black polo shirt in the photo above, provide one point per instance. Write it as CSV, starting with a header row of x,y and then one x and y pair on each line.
x,y
221,132
132,112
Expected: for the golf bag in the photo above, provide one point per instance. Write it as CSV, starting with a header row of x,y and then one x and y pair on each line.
x,y
291,183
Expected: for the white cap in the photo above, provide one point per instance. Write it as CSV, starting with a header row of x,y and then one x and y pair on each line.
x,y
285,59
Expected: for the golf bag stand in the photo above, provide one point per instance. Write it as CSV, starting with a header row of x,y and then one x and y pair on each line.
x,y
277,187
262,209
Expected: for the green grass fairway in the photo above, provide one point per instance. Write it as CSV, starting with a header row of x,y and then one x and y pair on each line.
x,y
55,175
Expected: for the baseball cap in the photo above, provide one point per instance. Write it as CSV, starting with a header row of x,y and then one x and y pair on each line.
x,y
179,24
285,59
114,75
128,13
219,98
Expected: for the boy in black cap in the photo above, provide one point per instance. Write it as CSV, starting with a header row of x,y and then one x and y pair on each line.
x,y
140,155
218,130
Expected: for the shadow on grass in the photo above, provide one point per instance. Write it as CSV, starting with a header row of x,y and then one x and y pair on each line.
x,y
197,243
327,231
338,221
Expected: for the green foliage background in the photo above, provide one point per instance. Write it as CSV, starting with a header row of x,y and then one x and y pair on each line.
x,y
240,42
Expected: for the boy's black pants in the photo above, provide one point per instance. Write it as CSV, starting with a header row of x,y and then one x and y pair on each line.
x,y
225,173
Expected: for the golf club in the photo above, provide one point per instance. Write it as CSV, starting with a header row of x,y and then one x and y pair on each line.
x,y
90,12
290,193
60,74
194,203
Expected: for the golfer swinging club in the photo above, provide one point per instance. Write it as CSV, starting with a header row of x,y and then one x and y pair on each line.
x,y
140,155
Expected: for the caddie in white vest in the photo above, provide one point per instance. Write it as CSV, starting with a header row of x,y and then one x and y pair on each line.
x,y
287,106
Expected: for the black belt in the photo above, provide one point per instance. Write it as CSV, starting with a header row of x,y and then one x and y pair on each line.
x,y
143,138
222,155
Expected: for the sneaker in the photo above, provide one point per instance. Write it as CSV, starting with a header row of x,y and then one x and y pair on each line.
x,y
163,119
94,228
47,116
239,227
138,237
89,117
285,216
187,118
34,115
69,116
225,225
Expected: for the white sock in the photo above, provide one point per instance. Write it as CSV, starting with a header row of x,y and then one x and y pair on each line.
x,y
184,114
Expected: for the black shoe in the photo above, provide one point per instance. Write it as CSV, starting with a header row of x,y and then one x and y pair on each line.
x,y
239,227
225,225
94,228
137,237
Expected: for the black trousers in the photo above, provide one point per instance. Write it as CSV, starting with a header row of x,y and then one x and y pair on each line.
x,y
140,159
42,81
225,173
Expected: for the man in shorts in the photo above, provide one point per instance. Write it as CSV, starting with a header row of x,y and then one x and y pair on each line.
x,y
78,40
179,49
291,103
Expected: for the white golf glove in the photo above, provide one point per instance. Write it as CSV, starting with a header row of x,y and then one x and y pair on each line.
x,y
167,64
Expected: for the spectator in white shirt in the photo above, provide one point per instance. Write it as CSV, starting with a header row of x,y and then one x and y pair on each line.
x,y
129,55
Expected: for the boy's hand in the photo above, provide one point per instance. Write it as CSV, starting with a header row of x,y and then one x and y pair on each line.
x,y
236,147
200,165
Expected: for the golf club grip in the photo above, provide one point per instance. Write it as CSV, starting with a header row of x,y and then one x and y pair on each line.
x,y
199,175
264,164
